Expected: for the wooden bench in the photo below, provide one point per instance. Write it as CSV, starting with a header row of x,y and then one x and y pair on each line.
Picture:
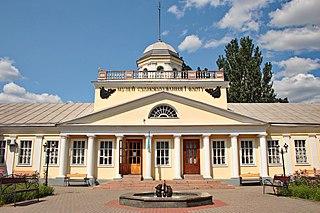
x,y
9,185
250,177
277,182
26,173
313,172
77,177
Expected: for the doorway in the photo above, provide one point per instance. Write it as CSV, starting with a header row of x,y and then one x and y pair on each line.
x,y
131,157
191,156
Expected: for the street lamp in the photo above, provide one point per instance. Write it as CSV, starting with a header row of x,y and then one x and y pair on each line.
x,y
48,151
285,146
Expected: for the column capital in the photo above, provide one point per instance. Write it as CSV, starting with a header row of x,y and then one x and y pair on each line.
x,y
119,136
64,135
262,135
234,135
91,135
206,135
286,135
177,135
39,136
312,135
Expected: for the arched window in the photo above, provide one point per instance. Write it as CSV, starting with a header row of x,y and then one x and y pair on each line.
x,y
163,111
160,68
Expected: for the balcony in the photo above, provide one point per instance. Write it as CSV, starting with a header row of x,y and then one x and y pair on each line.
x,y
185,75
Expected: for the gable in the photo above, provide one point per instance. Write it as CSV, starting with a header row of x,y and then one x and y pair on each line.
x,y
190,112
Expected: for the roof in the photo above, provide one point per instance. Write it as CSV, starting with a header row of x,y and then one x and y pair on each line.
x,y
279,113
41,114
159,45
52,114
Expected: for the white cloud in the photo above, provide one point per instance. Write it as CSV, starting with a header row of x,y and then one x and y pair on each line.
x,y
292,39
165,33
215,43
296,13
299,88
176,11
8,72
13,93
243,15
196,4
295,65
190,44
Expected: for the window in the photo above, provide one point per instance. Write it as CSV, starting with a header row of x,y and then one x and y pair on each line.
x,y
219,152
25,152
53,146
300,151
160,68
163,111
247,154
78,152
105,153
2,151
162,153
273,152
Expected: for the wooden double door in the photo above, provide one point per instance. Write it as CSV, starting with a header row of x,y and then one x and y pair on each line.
x,y
131,157
191,156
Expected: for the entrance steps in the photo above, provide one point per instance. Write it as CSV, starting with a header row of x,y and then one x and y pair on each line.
x,y
193,177
176,185
132,178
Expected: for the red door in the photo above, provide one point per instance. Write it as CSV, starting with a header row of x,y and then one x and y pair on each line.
x,y
131,156
191,156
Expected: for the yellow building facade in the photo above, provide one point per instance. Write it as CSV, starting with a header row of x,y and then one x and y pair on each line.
x,y
160,122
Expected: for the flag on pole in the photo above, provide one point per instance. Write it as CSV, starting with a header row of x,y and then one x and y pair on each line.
x,y
149,143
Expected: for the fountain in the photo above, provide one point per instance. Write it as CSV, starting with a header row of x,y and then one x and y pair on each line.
x,y
164,197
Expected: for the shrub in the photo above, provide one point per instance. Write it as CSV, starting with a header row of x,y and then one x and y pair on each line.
x,y
43,192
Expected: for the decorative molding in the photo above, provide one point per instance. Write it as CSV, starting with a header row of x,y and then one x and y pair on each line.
x,y
215,93
105,94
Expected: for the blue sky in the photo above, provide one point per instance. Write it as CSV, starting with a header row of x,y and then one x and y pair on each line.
x,y
50,51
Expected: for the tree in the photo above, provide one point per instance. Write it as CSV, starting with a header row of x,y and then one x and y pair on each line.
x,y
242,67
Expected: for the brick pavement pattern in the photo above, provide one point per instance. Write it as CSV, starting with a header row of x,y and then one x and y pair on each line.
x,y
85,199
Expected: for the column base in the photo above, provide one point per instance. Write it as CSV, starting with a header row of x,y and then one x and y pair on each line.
x,y
177,178
117,177
147,178
207,177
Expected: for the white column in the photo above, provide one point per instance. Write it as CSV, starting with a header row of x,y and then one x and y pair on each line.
x,y
11,154
147,175
206,159
234,156
38,151
177,157
63,156
91,156
313,145
287,158
263,156
117,157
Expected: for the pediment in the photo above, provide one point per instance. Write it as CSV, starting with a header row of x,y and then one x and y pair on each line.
x,y
190,112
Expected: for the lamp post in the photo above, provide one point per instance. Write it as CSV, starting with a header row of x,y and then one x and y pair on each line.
x,y
285,146
48,151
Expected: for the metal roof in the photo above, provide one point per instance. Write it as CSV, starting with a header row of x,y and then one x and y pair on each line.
x,y
282,113
52,114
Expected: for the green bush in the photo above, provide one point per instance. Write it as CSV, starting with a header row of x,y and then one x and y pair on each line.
x,y
43,192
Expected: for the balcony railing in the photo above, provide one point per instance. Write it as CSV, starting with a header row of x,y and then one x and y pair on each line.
x,y
190,74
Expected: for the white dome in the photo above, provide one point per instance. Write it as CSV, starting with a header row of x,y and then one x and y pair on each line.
x,y
159,45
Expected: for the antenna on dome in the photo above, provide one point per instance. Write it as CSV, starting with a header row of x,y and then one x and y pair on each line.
x,y
159,21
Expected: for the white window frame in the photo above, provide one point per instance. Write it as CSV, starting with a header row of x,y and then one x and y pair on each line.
x,y
155,152
99,149
4,142
306,147
85,152
253,151
57,151
276,150
31,152
225,152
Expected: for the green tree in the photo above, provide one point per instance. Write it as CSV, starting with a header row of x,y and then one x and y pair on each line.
x,y
242,67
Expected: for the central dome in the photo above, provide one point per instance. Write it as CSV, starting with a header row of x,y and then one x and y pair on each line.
x,y
159,45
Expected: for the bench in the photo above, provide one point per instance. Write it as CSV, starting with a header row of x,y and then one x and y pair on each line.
x,y
250,177
277,182
26,173
77,177
313,172
9,185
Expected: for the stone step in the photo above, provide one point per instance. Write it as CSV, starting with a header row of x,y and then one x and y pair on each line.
x,y
130,178
192,177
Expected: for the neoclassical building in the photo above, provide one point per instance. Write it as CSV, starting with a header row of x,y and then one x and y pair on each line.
x,y
160,122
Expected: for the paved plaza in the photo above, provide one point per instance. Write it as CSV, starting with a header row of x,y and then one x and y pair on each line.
x,y
86,199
